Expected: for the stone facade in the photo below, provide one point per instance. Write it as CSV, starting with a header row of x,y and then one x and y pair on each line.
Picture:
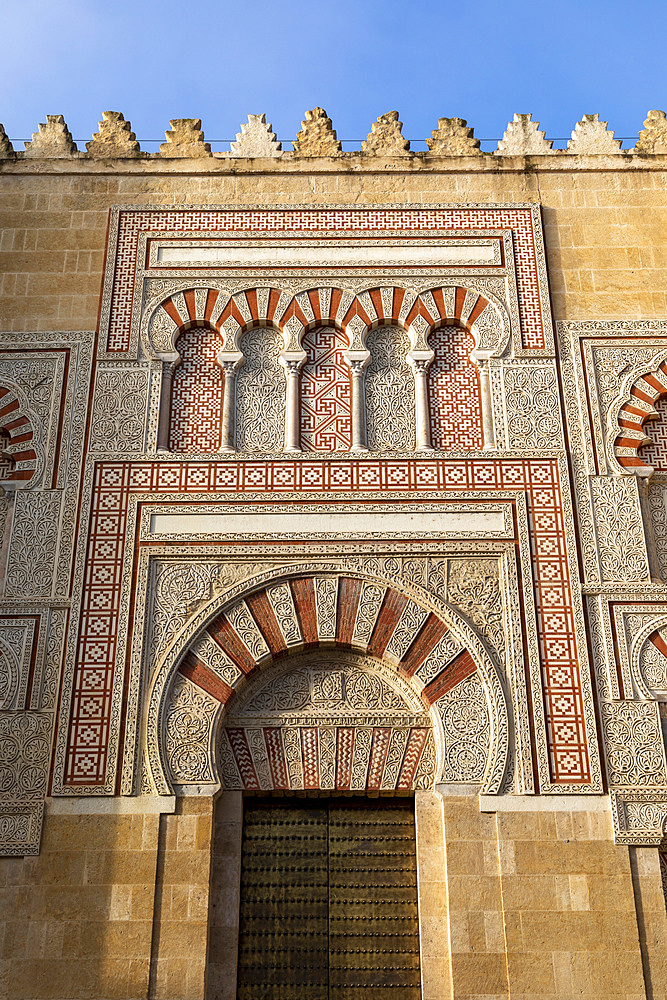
x,y
304,491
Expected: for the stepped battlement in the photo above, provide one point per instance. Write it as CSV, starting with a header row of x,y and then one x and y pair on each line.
x,y
317,139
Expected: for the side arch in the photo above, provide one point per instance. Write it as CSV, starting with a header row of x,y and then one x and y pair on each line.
x,y
263,620
634,418
22,458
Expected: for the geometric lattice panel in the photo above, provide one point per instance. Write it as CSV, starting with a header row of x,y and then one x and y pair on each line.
x,y
456,415
325,392
197,393
655,453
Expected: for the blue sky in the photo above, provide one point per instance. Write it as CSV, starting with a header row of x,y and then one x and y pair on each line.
x,y
219,61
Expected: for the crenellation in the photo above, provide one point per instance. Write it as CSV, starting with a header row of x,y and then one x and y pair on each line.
x,y
6,148
524,138
653,137
185,139
591,136
114,139
53,139
256,138
386,137
317,136
453,138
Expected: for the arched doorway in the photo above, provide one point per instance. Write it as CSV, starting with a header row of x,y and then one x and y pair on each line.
x,y
328,899
261,697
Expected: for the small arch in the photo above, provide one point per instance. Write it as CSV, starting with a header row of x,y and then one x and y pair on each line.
x,y
642,407
260,391
454,389
21,457
325,410
197,391
390,391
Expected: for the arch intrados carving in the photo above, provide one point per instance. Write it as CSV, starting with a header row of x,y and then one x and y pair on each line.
x,y
631,414
22,431
645,633
216,608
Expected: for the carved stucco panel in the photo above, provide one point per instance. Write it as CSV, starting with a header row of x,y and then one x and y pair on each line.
x,y
260,393
33,544
634,744
532,408
118,421
619,529
390,392
466,732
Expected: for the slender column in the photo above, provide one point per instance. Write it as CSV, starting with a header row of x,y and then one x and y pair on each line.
x,y
357,361
228,405
169,364
481,359
420,365
292,365
487,410
229,361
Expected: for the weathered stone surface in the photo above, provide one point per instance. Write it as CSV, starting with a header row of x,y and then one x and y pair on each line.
x,y
453,138
185,139
385,137
6,148
592,136
523,138
653,137
317,136
115,138
256,138
54,139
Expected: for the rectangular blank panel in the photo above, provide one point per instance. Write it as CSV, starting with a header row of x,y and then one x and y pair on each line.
x,y
407,253
487,522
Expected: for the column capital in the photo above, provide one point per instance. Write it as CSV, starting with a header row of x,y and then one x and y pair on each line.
x,y
229,361
292,362
357,360
421,361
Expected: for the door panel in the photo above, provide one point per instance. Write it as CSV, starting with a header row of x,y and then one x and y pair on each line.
x,y
329,901
283,932
373,928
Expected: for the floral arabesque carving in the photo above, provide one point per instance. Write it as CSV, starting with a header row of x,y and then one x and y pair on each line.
x,y
188,723
118,421
466,731
260,393
619,529
390,392
532,407
634,745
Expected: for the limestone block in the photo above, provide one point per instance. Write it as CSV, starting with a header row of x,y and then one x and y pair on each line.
x,y
653,137
385,137
54,139
6,148
523,138
317,136
592,136
256,138
453,138
115,137
185,139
